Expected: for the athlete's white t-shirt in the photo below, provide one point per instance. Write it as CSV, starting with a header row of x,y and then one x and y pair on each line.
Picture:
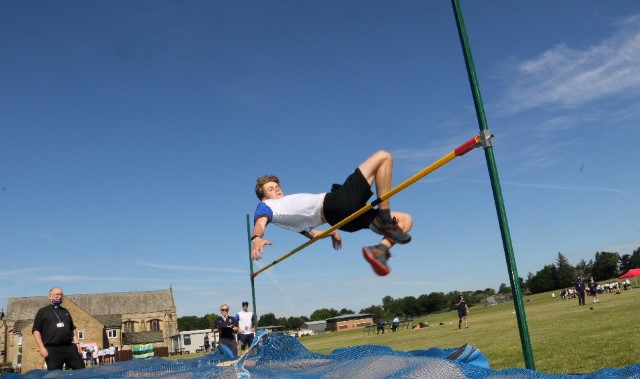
x,y
299,212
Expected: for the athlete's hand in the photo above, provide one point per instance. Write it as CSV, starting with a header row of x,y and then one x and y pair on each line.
x,y
257,248
336,240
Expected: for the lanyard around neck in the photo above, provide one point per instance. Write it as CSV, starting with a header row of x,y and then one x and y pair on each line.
x,y
56,313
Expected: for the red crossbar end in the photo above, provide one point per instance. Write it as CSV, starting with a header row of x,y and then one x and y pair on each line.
x,y
467,146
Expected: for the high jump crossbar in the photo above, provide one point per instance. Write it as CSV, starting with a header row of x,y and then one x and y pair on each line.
x,y
457,152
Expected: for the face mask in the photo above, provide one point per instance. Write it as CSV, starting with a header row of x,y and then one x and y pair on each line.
x,y
56,302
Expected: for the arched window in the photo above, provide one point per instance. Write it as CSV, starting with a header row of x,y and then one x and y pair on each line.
x,y
129,326
154,325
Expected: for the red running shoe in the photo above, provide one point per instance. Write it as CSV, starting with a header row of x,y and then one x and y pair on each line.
x,y
377,258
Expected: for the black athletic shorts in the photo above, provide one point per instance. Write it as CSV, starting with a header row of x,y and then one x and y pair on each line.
x,y
245,340
346,199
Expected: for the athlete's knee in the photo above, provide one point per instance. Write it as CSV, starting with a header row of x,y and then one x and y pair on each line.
x,y
383,157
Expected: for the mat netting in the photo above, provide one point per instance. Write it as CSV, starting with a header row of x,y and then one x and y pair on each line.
x,y
282,356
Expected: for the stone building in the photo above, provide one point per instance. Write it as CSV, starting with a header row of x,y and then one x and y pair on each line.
x,y
121,319
349,322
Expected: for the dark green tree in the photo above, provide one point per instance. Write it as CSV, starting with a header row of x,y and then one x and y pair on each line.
x,y
410,307
293,323
565,273
634,261
504,289
391,306
323,314
433,302
625,263
543,280
268,319
375,310
196,323
187,323
489,291
582,269
606,265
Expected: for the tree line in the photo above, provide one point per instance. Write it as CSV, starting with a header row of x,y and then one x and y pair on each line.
x,y
561,274
557,275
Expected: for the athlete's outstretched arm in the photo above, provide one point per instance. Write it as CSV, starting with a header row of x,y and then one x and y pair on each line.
x,y
257,242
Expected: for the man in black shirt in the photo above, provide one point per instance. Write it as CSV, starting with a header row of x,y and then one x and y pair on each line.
x,y
56,335
227,327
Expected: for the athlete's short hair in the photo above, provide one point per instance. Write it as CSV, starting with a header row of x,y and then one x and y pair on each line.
x,y
262,181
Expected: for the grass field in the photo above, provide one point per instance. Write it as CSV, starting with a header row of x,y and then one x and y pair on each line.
x,y
565,338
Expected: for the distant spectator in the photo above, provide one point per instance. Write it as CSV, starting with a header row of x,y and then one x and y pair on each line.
x,y
461,305
395,324
227,327
380,324
207,345
112,353
246,321
593,288
580,289
89,359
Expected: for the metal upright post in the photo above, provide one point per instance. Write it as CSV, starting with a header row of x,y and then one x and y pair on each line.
x,y
497,192
253,287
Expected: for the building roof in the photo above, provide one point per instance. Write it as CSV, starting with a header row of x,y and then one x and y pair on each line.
x,y
198,331
349,317
117,303
21,324
141,337
321,322
110,321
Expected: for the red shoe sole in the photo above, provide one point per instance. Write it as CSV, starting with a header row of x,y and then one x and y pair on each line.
x,y
379,268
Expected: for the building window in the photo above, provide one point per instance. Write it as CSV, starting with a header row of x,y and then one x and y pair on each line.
x,y
344,326
187,339
81,334
112,333
129,326
154,325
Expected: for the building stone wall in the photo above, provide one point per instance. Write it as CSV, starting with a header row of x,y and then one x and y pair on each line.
x,y
86,311
344,325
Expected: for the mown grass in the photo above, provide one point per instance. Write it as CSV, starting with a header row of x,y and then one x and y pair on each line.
x,y
565,338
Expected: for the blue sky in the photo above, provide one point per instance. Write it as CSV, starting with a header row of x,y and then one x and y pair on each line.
x,y
132,134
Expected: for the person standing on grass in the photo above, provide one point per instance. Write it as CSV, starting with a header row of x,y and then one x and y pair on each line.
x,y
580,289
461,305
246,321
593,288
227,327
380,324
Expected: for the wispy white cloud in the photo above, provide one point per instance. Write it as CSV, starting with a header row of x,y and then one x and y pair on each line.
x,y
563,76
567,187
559,187
20,273
626,247
188,268
286,297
